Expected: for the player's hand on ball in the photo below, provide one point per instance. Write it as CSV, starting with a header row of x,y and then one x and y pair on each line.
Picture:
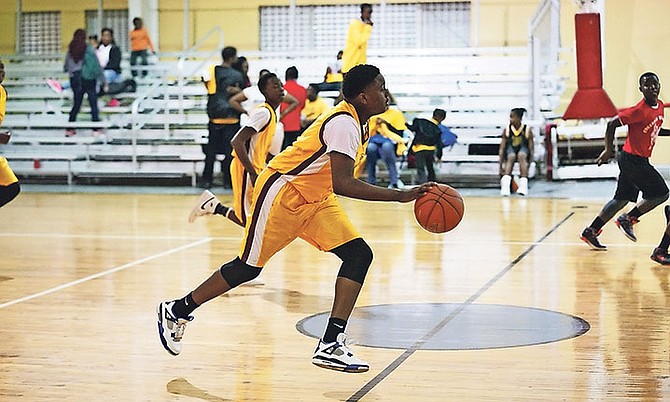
x,y
416,192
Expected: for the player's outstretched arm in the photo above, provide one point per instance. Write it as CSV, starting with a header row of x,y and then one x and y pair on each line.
x,y
345,184
606,154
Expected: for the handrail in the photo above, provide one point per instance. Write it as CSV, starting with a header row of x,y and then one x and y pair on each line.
x,y
157,87
189,53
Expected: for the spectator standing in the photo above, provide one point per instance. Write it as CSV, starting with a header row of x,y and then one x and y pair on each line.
x,y
84,70
222,82
356,48
242,65
427,144
290,114
140,44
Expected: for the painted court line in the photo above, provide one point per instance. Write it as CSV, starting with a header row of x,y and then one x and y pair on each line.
x,y
103,273
417,345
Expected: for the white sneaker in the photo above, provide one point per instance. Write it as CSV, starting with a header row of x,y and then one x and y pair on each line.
x,y
206,205
170,328
523,186
337,356
505,183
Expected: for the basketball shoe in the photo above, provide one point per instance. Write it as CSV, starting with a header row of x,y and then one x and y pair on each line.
x,y
170,328
337,356
625,223
590,237
659,255
206,205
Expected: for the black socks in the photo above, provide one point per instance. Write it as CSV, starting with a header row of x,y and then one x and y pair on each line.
x,y
335,326
183,307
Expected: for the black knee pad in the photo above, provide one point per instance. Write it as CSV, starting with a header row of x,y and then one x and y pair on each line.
x,y
8,193
356,258
236,272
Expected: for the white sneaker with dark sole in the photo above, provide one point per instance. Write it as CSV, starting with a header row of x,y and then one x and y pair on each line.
x,y
170,328
337,356
206,205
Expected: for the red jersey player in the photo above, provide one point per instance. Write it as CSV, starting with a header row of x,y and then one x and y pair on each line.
x,y
636,174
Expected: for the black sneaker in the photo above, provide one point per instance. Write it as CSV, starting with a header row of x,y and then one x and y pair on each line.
x,y
590,237
625,223
661,256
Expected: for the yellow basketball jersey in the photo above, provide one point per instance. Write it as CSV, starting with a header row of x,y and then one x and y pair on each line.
x,y
306,163
259,144
3,102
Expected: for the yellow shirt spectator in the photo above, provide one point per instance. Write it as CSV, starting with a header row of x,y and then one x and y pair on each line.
x,y
395,118
356,49
314,109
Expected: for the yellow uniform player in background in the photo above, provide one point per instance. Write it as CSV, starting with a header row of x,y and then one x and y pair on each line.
x,y
9,184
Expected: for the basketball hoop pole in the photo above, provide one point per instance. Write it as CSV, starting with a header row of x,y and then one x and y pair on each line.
x,y
590,102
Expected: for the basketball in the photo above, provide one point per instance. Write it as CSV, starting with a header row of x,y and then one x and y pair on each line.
x,y
440,209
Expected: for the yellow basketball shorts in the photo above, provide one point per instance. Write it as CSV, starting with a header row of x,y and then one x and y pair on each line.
x,y
7,176
243,190
279,215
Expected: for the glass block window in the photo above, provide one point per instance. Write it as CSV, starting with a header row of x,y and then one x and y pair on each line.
x,y
445,24
117,20
40,33
398,26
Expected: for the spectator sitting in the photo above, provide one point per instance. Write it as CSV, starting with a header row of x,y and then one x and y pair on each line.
x,y
332,80
516,145
315,106
427,144
386,141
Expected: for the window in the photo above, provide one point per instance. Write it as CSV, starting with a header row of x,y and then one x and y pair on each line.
x,y
117,20
40,33
399,26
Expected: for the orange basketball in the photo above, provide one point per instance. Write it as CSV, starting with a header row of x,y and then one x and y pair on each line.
x,y
440,209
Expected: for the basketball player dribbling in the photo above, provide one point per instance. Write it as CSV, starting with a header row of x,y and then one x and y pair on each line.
x,y
295,197
9,184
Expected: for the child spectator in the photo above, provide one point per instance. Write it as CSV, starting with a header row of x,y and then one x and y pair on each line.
x,y
516,145
140,42
427,144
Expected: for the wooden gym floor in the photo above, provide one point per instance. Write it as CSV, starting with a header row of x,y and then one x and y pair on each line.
x,y
510,306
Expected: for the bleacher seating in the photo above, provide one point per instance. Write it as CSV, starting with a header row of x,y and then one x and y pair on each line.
x,y
158,131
